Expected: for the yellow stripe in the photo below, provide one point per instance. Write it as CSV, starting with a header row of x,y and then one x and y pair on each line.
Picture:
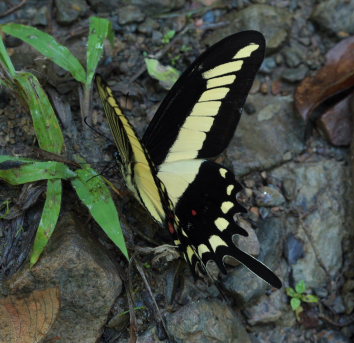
x,y
222,69
202,249
199,124
246,51
221,81
229,189
209,109
216,241
214,94
226,206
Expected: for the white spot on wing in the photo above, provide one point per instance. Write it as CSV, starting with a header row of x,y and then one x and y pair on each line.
x,y
215,241
226,206
221,223
202,248
223,172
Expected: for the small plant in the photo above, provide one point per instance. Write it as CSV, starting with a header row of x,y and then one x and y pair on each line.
x,y
168,36
298,296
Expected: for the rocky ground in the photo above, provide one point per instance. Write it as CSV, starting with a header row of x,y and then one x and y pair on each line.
x,y
298,191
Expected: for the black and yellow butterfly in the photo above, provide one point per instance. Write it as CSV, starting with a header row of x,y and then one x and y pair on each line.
x,y
168,170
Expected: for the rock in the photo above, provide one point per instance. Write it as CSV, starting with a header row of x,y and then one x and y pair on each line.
x,y
207,321
331,336
272,21
70,10
294,55
130,14
268,65
269,196
268,310
321,201
263,139
294,249
104,5
41,16
335,16
86,276
154,7
295,74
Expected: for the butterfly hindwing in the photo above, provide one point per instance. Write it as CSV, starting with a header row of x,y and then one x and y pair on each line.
x,y
198,117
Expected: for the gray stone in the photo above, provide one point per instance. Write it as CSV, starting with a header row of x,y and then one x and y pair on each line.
x,y
87,278
130,14
268,310
207,321
321,204
154,7
295,74
269,196
272,21
332,336
263,139
295,54
105,5
335,15
70,10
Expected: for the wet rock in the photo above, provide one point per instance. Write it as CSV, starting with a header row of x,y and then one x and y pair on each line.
x,y
295,74
294,249
321,204
269,196
130,14
268,65
154,7
331,336
335,16
87,279
263,139
268,310
70,10
273,22
207,321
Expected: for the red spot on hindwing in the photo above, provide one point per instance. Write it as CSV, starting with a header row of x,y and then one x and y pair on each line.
x,y
194,212
171,228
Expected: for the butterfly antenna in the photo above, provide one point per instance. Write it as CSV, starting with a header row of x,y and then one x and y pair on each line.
x,y
97,131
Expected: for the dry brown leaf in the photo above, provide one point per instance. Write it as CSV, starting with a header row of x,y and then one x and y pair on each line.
x,y
28,317
335,77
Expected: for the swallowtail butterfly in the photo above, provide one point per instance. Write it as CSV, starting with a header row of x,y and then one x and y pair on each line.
x,y
169,170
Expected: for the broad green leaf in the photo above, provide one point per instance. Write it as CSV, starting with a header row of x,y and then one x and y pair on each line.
x,y
20,172
167,75
5,59
94,193
290,292
45,122
295,303
48,46
100,29
300,287
309,298
49,219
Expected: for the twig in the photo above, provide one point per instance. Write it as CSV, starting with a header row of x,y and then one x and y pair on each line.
x,y
13,9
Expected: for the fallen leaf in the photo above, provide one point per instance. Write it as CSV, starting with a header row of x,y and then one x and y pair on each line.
x,y
335,77
27,318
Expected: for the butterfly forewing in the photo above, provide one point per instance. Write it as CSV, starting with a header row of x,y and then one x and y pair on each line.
x,y
198,117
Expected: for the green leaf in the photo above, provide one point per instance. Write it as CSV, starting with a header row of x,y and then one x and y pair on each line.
x,y
5,59
290,292
48,46
17,172
94,193
4,158
168,36
295,303
100,29
49,219
166,75
300,287
309,298
45,122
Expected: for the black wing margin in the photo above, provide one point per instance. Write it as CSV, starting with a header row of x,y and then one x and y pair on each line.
x,y
231,68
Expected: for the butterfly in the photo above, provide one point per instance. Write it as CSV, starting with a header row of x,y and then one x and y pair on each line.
x,y
169,170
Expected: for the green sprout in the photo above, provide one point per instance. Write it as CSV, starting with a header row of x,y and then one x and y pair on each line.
x,y
298,296
168,36
90,187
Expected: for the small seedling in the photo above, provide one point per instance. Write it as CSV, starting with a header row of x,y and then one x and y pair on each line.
x,y
298,296
168,36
